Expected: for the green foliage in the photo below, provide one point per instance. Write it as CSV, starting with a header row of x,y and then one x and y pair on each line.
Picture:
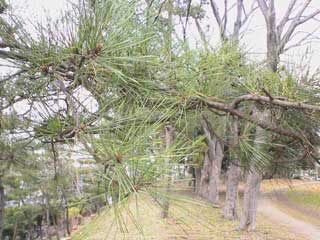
x,y
276,83
74,212
52,127
21,218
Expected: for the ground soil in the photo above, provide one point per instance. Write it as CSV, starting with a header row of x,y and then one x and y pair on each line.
x,y
268,207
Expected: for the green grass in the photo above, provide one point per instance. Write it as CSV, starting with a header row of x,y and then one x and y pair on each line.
x,y
188,220
306,198
301,203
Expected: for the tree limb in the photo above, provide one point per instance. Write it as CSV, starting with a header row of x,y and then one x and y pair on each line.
x,y
286,16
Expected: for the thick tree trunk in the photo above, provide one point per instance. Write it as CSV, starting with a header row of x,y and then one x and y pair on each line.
x,y
210,174
2,205
248,217
216,156
233,179
273,56
204,177
273,36
233,175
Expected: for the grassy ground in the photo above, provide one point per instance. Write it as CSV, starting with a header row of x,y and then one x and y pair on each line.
x,y
189,219
301,201
287,184
307,198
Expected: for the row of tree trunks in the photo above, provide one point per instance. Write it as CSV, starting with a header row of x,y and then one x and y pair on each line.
x,y
209,179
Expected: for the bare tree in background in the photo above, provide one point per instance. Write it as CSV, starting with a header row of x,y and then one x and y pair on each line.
x,y
242,16
278,37
280,34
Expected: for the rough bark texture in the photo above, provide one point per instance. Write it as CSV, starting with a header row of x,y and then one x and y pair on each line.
x,y
210,174
216,156
204,178
233,176
273,56
250,199
2,204
233,179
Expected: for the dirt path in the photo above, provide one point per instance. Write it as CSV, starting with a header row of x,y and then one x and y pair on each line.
x,y
267,208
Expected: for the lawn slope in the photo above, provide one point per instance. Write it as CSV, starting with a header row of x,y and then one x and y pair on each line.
x,y
189,219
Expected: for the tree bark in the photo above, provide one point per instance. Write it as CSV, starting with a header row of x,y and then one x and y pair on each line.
x,y
197,172
216,156
273,54
169,131
233,179
204,177
248,217
233,175
2,205
210,174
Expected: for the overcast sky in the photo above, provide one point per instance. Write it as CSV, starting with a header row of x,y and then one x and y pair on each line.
x,y
254,37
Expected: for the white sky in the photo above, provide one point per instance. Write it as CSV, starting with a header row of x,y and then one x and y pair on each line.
x,y
254,34
254,37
